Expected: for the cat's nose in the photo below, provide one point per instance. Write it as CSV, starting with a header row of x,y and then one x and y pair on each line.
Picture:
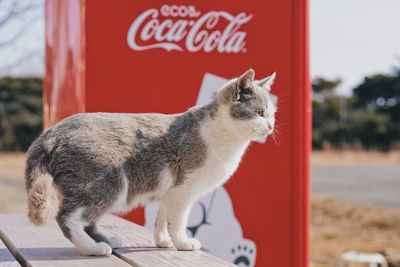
x,y
270,127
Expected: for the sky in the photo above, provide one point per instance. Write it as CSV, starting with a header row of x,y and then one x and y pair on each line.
x,y
349,39
25,56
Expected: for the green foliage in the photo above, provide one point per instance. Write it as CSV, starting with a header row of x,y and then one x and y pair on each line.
x,y
380,95
372,129
371,117
20,112
322,85
329,124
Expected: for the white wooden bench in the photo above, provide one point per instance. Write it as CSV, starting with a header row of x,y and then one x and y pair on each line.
x,y
24,244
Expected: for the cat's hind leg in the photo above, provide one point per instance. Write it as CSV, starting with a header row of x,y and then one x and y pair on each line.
x,y
94,233
85,200
72,225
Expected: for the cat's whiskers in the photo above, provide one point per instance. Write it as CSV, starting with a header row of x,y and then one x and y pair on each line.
x,y
276,135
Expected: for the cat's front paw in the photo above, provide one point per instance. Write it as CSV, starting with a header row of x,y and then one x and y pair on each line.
x,y
187,244
99,249
163,240
164,243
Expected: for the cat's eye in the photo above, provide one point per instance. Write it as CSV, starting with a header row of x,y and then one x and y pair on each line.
x,y
260,113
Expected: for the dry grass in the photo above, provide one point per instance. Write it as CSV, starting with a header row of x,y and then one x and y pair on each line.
x,y
337,227
12,188
351,157
12,165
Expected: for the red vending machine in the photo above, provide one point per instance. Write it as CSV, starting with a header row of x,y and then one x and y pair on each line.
x,y
166,56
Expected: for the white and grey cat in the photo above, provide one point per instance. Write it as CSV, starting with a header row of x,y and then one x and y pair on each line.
x,y
93,163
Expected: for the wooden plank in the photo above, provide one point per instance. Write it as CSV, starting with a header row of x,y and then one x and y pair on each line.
x,y
139,248
6,258
45,245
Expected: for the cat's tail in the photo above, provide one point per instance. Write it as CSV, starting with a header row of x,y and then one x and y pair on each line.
x,y
43,202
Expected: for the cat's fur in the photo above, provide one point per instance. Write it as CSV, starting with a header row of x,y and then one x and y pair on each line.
x,y
93,163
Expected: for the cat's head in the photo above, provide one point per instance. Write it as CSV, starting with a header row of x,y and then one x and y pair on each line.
x,y
247,105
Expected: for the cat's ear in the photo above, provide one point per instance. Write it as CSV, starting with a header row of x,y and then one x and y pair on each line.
x,y
235,89
246,79
266,82
243,84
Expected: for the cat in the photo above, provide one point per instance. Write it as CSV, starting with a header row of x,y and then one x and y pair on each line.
x,y
90,164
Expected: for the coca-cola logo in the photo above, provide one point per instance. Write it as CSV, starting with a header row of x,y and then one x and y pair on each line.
x,y
184,27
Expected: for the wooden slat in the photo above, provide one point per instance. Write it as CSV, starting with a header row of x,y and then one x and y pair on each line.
x,y
139,248
45,245
6,258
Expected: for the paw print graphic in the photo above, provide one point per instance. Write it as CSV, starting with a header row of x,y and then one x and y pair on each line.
x,y
243,255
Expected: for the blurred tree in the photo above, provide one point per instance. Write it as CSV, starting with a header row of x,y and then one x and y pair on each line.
x,y
20,98
371,117
372,129
323,88
327,112
380,96
380,93
20,112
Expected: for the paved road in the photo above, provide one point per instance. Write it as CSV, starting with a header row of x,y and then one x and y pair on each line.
x,y
369,185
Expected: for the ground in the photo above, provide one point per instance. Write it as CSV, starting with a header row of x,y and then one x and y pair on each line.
x,y
337,226
355,204
372,185
12,188
351,157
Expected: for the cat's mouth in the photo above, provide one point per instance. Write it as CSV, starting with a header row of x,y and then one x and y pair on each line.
x,y
263,132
